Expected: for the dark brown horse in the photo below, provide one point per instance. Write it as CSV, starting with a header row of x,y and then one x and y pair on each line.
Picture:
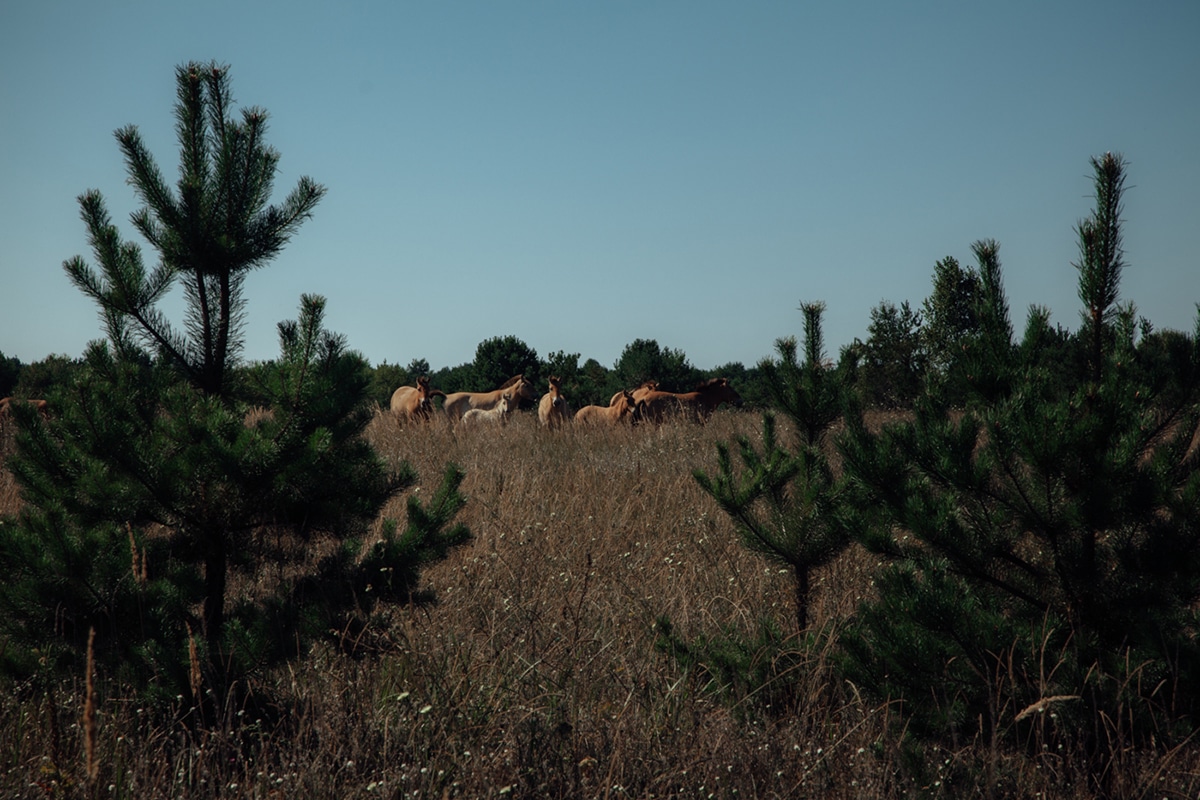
x,y
698,405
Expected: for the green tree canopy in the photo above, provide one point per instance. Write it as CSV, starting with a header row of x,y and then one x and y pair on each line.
x,y
500,358
643,360
890,366
10,373
41,377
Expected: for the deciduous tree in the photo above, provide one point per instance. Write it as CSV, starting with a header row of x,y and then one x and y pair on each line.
x,y
500,358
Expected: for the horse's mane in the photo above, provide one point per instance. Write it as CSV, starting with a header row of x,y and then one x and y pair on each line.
x,y
709,384
513,381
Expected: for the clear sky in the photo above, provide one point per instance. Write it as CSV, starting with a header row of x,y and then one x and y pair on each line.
x,y
584,174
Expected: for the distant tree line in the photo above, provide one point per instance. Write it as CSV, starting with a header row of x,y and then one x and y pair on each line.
x,y
906,349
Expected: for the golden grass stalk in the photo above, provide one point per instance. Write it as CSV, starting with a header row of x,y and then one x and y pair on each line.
x,y
89,709
194,676
1041,705
137,557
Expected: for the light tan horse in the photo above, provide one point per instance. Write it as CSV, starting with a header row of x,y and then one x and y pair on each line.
x,y
481,417
621,409
698,405
553,410
517,388
646,388
414,403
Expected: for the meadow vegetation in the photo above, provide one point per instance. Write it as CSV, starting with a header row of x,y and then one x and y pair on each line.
x,y
539,672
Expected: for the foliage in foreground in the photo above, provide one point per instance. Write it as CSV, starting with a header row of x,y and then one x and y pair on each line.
x,y
165,477
785,504
1043,546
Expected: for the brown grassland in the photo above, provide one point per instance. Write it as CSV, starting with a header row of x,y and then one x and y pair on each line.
x,y
536,672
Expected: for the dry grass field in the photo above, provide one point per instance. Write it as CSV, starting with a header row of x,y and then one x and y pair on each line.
x,y
536,674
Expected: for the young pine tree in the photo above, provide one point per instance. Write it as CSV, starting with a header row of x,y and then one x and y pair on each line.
x,y
1043,544
155,489
785,503
965,327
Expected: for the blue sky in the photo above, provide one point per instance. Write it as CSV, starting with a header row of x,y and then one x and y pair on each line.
x,y
581,175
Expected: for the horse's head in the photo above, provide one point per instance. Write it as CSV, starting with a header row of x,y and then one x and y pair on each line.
x,y
646,388
555,392
625,403
522,389
640,411
718,390
423,393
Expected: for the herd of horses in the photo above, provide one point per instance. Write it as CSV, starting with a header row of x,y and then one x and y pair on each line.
x,y
646,403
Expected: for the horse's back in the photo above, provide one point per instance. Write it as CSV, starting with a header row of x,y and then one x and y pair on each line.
x,y
402,402
597,415
457,404
659,406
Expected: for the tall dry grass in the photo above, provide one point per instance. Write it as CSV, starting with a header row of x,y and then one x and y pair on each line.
x,y
537,675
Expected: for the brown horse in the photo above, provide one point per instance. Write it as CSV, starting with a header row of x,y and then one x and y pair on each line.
x,y
553,410
698,405
413,403
517,388
621,409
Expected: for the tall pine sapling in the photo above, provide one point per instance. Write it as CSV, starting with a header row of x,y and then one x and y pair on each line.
x,y
1045,541
154,489
784,503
